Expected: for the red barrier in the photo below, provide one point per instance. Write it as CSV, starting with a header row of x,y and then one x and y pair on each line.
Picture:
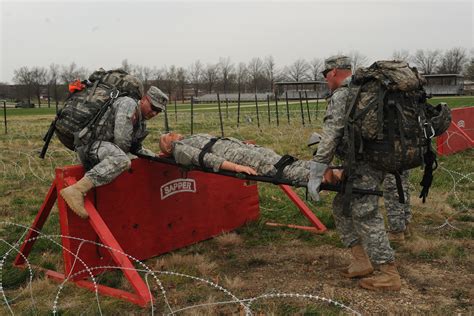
x,y
460,134
150,210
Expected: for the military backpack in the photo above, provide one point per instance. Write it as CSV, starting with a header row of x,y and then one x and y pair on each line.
x,y
389,122
84,107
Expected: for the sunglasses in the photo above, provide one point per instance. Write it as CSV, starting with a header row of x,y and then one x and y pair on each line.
x,y
325,72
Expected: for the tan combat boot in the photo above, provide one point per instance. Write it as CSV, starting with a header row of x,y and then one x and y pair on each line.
x,y
388,280
360,263
74,196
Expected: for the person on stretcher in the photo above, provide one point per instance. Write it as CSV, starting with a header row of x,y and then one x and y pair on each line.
x,y
231,154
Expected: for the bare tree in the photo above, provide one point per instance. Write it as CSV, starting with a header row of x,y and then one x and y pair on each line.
x,y
241,76
169,80
181,80
72,72
315,68
144,73
255,71
298,70
426,61
402,54
195,76
270,71
357,60
210,76
38,77
159,77
126,66
23,76
469,73
53,77
453,61
226,68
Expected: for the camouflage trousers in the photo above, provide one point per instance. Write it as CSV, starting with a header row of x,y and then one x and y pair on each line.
x,y
398,214
112,161
365,225
263,160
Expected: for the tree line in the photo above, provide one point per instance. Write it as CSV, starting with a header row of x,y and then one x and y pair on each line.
x,y
258,75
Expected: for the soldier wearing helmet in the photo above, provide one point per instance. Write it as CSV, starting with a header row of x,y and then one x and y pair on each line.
x,y
120,131
362,230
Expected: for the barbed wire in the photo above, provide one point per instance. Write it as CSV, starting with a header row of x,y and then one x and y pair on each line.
x,y
245,303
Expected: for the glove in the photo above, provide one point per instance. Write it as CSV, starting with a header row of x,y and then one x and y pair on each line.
x,y
316,173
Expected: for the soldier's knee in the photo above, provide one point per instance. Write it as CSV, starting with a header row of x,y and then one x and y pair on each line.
x,y
123,162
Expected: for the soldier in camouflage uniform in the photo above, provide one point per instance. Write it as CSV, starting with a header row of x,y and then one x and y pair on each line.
x,y
363,230
398,214
120,132
231,154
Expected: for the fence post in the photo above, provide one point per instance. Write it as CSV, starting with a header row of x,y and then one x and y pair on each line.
x,y
317,103
226,107
167,126
175,111
276,109
5,115
307,106
238,110
287,108
301,108
268,108
256,106
192,113
220,114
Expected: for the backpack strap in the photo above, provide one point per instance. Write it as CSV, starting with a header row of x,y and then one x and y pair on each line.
x,y
349,134
207,148
380,103
431,164
398,181
284,161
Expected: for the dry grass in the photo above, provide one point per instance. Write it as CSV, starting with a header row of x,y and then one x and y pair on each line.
x,y
186,264
234,283
436,266
228,240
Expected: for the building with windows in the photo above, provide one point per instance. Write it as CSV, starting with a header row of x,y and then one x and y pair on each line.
x,y
444,84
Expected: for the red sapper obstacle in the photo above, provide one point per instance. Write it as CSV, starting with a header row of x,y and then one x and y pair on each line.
x,y
152,209
460,134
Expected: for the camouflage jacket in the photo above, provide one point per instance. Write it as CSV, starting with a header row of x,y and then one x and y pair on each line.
x,y
119,126
186,151
333,124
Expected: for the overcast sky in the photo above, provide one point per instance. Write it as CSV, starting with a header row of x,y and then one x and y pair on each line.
x,y
103,33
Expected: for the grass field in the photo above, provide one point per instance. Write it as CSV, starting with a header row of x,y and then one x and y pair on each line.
x,y
436,264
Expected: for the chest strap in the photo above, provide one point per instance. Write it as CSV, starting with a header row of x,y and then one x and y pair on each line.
x,y
207,148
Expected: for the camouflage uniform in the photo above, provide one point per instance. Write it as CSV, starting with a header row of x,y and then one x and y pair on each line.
x,y
365,224
398,214
186,152
117,135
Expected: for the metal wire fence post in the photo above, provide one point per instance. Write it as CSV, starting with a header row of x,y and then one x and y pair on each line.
x,y
5,115
192,114
276,109
301,108
256,106
220,114
307,106
238,110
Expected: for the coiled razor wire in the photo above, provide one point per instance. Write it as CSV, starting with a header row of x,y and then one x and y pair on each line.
x,y
245,303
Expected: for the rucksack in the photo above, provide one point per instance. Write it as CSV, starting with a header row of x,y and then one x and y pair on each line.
x,y
85,107
389,122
